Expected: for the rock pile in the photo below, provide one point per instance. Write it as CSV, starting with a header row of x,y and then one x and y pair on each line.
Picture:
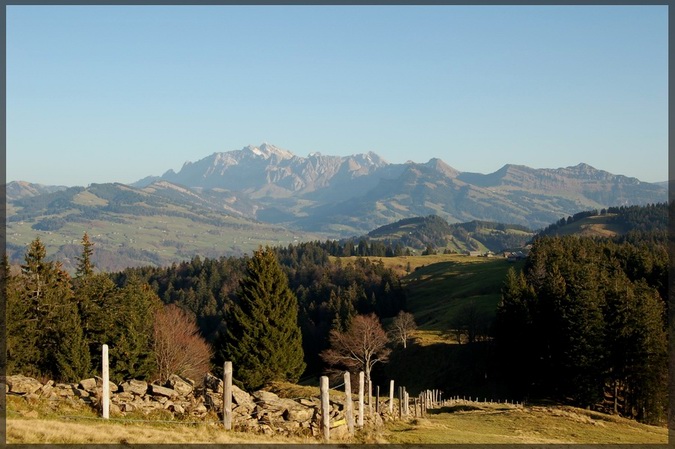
x,y
262,411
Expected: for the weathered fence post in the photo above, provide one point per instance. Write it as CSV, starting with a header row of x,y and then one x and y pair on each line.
x,y
370,397
105,393
405,402
400,402
361,386
325,408
227,395
391,396
349,405
377,399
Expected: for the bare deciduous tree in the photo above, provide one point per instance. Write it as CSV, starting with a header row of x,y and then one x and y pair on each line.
x,y
178,346
360,347
402,327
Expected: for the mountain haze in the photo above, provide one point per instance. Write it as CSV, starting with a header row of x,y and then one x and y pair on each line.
x,y
228,203
355,194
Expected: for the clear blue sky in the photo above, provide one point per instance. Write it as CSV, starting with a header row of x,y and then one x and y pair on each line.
x,y
117,93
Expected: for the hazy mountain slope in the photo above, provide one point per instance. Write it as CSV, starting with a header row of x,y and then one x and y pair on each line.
x,y
354,194
319,195
156,225
21,189
433,231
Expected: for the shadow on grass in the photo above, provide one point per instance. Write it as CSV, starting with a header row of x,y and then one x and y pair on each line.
x,y
453,409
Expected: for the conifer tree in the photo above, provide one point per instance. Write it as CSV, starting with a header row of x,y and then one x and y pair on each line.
x,y
46,330
97,297
131,332
262,337
85,266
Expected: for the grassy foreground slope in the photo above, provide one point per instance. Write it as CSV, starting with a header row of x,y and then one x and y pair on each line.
x,y
507,424
32,423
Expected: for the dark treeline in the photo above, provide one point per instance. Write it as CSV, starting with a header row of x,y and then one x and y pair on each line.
x,y
329,293
641,219
585,322
58,322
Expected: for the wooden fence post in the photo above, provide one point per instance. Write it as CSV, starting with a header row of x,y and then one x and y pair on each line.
x,y
105,393
407,402
370,397
361,386
377,399
325,408
227,395
391,396
349,405
400,402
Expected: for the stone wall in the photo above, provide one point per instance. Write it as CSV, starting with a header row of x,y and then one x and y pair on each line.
x,y
261,411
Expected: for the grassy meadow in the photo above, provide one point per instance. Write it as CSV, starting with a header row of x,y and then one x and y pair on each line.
x,y
476,423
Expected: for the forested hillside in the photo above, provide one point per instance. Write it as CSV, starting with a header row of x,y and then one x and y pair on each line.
x,y
631,220
583,323
586,322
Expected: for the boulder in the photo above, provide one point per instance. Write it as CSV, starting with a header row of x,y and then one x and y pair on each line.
x,y
99,384
213,400
177,408
81,393
46,390
265,397
300,413
65,390
20,384
134,386
181,385
88,385
201,408
114,409
158,390
211,382
242,399
123,396
310,402
126,407
340,431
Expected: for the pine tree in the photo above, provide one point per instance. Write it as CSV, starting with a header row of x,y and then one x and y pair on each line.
x,y
514,331
47,334
22,352
130,338
262,337
85,266
96,296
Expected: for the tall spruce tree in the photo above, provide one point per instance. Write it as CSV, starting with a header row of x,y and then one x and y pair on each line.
x,y
85,267
46,331
261,336
131,314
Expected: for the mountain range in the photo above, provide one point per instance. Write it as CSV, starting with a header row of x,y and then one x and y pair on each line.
x,y
318,196
355,194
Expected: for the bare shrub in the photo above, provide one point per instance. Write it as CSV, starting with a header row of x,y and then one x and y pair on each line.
x,y
360,347
178,346
402,327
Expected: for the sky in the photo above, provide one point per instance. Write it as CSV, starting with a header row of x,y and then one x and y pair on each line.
x,y
100,94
